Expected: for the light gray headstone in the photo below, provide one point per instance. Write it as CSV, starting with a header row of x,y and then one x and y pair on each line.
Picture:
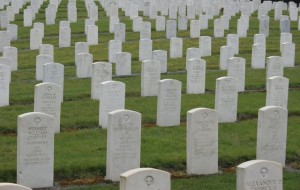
x,y
160,24
258,60
72,13
196,71
54,72
145,49
288,54
259,39
4,39
145,30
171,29
145,178
112,22
12,53
182,23
285,37
203,21
88,22
119,31
36,38
285,24
47,100
259,174
84,65
192,53
136,23
242,28
64,37
173,9
40,26
123,143
27,17
168,103
4,84
12,186
64,24
272,133
112,97
46,49
153,11
80,47
13,31
233,41
237,69
7,61
123,64
194,28
226,52
218,28
35,150
226,99
277,91
205,45
92,35
191,12
114,47
150,77
274,66
176,45
102,71
40,61
162,56
202,141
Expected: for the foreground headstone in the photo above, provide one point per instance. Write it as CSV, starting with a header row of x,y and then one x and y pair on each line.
x,y
258,60
12,186
168,103
202,141
35,150
237,69
102,71
112,98
150,77
145,178
226,99
123,143
176,45
259,174
277,91
123,64
4,84
47,100
272,133
196,70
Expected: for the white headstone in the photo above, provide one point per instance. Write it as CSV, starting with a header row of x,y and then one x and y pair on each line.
x,y
112,22
258,60
35,38
112,98
162,56
259,39
114,47
226,52
237,69
123,143
4,84
173,11
88,22
84,65
274,66
12,53
145,30
202,141
288,54
27,17
271,134
194,28
277,91
72,13
4,39
226,99
160,24
119,30
196,71
218,28
259,174
182,23
11,186
13,31
80,47
168,103
123,64
102,71
176,45
233,41
47,100
46,49
150,77
171,29
136,23
145,49
145,178
285,37
264,25
40,61
35,150
64,37
205,45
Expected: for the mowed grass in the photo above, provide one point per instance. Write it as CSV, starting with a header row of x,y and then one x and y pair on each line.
x,y
80,148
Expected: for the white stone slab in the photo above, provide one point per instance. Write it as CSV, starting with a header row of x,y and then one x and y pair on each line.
x,y
233,42
114,47
40,61
274,66
112,22
4,40
196,71
80,47
259,174
47,49
194,29
226,99
123,64
119,32
288,54
36,38
35,150
145,49
277,91
205,45
162,56
84,65
112,98
259,39
11,186
258,60
5,73
150,77
145,178
171,29
202,141
182,23
13,31
176,45
160,23
168,103
145,30
123,143
12,53
136,22
47,99
218,28
226,52
272,134
237,69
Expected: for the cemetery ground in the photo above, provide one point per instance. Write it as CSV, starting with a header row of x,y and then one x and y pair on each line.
x,y
80,148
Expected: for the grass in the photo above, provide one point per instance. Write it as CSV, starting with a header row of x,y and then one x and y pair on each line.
x,y
80,148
